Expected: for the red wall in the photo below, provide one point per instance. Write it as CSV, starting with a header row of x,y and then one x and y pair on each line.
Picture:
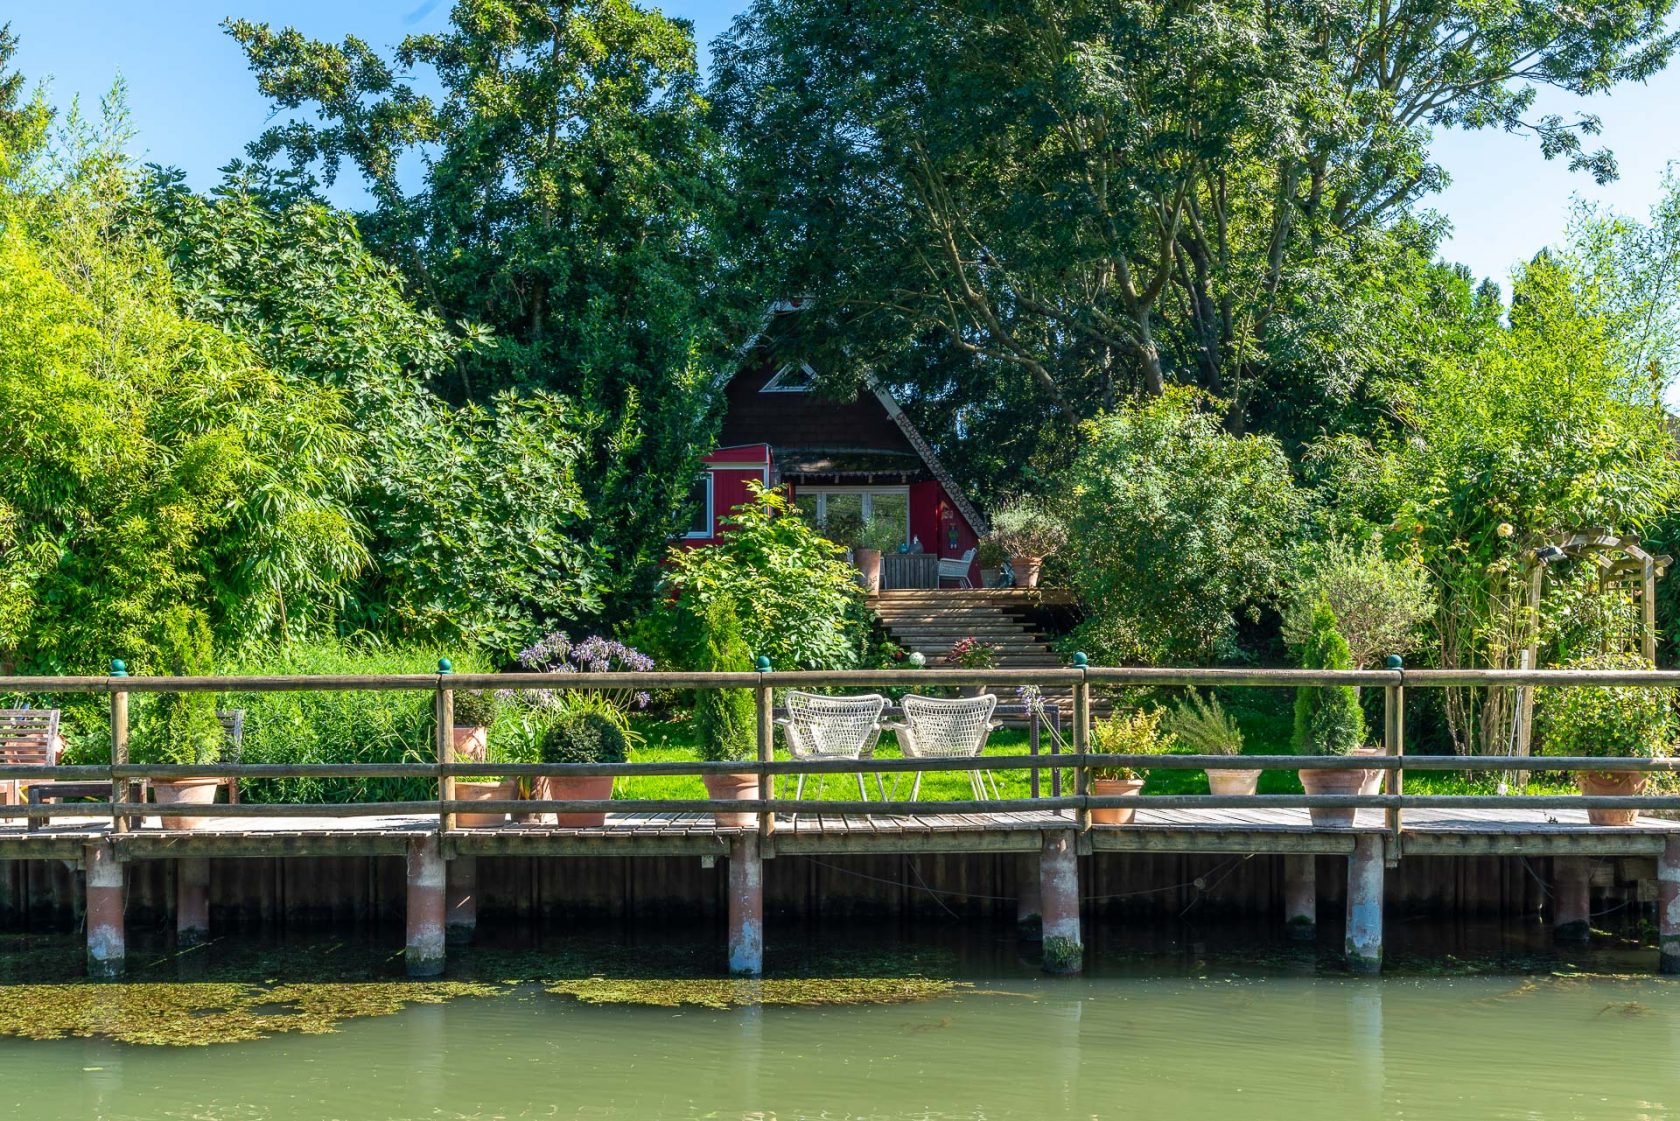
x,y
936,520
729,483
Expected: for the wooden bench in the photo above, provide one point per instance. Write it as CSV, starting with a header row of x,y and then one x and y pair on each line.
x,y
28,737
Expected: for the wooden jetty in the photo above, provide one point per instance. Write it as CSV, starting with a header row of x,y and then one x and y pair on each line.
x,y
1054,830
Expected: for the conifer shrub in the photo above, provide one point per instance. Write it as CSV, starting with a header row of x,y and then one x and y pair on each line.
x,y
1328,720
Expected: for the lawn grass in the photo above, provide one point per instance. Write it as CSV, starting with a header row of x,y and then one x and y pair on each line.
x,y
1265,716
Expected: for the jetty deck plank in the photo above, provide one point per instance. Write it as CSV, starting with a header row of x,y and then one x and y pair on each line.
x,y
1426,832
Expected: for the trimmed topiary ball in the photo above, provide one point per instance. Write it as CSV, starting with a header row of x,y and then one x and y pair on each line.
x,y
583,737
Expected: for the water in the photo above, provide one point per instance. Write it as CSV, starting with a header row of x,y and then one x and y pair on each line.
x,y
1301,1048
1211,1023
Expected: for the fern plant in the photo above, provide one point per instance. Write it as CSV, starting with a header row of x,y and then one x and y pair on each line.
x,y
1205,727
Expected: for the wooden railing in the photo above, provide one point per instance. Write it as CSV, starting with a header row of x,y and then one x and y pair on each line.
x,y
123,775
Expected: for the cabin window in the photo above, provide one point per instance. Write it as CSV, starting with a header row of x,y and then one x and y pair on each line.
x,y
791,379
841,510
700,506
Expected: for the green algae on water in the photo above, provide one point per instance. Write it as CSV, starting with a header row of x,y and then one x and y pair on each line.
x,y
724,994
196,1014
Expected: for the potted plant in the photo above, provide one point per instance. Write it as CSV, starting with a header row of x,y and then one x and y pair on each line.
x,y
972,653
1609,721
475,713
183,728
1134,733
1328,720
726,719
991,557
1205,729
1028,530
874,537
582,735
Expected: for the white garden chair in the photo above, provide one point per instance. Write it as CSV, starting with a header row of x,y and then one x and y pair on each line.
x,y
823,727
957,569
945,728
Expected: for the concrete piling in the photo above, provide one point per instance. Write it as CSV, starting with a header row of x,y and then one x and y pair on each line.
x,y
1064,948
746,906
426,882
192,901
1571,899
1300,896
106,944
1365,904
461,901
1668,904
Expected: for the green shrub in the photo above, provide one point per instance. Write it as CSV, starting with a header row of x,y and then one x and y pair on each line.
x,y
1133,733
726,719
1176,529
584,737
353,726
1613,721
773,564
476,708
181,728
1028,527
1381,604
1328,720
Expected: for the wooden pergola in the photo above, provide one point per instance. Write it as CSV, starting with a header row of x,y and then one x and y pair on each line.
x,y
1622,564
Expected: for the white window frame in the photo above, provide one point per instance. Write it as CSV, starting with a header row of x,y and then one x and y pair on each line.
x,y
821,493
711,515
777,385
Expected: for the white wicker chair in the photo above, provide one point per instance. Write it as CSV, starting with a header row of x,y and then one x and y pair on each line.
x,y
943,728
956,568
823,727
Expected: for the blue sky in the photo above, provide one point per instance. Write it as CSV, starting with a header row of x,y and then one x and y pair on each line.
x,y
195,105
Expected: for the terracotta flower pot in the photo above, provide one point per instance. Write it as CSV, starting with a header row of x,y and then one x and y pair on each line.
x,y
1373,778
467,790
1115,787
560,788
469,742
1225,782
1333,782
719,787
1611,784
187,792
1026,570
869,563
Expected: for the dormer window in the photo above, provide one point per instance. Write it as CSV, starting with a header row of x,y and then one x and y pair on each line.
x,y
791,379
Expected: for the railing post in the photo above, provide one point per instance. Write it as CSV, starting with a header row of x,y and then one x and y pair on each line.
x,y
119,746
1394,744
765,701
1082,738
445,712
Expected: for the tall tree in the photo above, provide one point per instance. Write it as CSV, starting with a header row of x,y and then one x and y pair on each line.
x,y
477,527
1094,198
556,187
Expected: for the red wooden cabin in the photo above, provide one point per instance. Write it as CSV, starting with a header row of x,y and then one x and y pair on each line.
x,y
861,457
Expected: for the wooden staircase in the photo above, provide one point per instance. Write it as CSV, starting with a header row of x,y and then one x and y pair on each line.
x,y
929,620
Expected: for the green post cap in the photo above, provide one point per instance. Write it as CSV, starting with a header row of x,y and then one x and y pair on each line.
x,y
119,668
763,663
445,666
1395,661
1080,661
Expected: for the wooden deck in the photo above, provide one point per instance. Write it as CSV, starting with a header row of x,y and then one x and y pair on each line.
x,y
1427,832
